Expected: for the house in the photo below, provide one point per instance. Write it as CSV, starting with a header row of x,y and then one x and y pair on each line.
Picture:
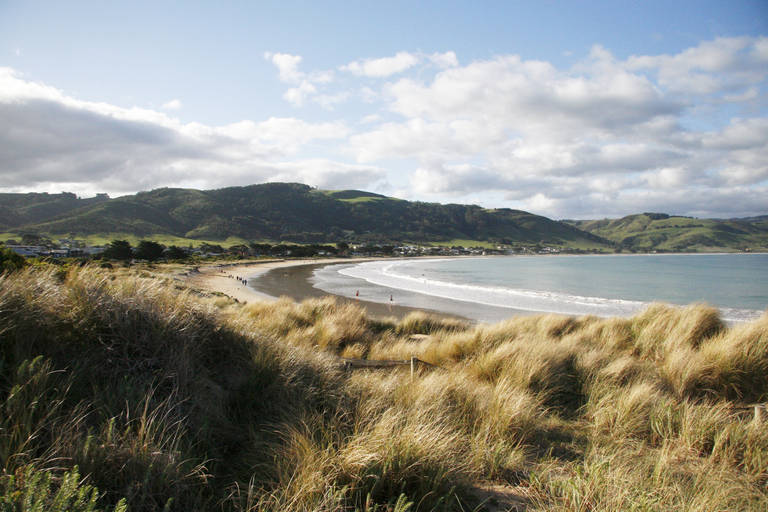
x,y
28,250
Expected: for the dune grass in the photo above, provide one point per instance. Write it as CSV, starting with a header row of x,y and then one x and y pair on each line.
x,y
123,389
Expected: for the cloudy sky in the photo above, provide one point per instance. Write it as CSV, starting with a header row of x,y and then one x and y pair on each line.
x,y
582,109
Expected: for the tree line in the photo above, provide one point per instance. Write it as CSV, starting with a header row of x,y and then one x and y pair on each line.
x,y
152,251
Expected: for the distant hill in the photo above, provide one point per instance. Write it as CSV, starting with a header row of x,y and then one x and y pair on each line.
x,y
287,212
662,232
22,209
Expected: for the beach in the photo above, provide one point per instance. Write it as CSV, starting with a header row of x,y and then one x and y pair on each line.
x,y
494,288
267,280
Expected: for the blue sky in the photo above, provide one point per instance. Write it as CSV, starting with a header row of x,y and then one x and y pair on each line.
x,y
567,109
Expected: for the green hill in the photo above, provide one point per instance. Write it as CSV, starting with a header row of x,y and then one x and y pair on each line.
x,y
299,213
662,232
21,209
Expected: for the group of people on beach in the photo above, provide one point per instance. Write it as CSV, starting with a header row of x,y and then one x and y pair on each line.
x,y
241,279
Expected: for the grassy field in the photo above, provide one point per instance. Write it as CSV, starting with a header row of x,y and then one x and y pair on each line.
x,y
122,388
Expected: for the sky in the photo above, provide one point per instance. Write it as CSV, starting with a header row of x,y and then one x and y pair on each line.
x,y
573,109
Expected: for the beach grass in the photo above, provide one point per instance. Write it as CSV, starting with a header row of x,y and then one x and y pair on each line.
x,y
125,389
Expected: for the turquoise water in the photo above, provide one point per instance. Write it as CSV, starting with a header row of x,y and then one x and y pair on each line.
x,y
491,288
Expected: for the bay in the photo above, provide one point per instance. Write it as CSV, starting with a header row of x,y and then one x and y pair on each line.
x,y
494,288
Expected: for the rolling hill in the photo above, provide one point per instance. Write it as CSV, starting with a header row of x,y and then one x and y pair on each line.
x,y
22,209
287,212
662,232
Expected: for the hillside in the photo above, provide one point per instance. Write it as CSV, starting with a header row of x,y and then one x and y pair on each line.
x,y
22,209
299,213
662,232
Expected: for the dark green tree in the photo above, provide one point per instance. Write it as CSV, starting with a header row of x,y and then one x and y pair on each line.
x,y
10,261
118,250
175,252
211,248
35,239
149,250
240,250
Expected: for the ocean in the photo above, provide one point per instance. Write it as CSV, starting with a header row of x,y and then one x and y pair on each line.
x,y
489,289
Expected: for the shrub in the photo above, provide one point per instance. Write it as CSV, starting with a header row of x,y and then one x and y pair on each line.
x,y
10,261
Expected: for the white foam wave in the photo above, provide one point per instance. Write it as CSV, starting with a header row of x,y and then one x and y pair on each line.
x,y
385,273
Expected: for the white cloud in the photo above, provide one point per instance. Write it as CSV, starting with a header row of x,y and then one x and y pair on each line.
x,y
328,174
306,83
368,95
444,60
603,133
383,67
173,104
287,66
329,101
683,133
371,118
723,64
533,96
297,96
60,141
293,131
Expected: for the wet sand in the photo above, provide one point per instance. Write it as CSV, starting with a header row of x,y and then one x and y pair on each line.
x,y
269,279
294,282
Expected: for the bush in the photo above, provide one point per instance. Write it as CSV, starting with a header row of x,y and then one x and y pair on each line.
x,y
10,261
32,489
118,250
149,250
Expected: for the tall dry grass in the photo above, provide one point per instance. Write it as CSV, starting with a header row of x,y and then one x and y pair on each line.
x,y
166,399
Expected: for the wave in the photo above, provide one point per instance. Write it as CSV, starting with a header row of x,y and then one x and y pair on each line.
x,y
385,273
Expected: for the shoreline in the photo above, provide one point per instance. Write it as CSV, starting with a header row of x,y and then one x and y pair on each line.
x,y
265,283
270,279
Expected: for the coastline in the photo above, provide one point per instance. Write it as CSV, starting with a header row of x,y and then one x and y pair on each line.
x,y
268,280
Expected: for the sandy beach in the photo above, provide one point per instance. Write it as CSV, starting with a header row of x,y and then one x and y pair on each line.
x,y
291,281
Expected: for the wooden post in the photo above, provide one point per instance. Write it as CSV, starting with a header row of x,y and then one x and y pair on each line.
x,y
413,363
759,413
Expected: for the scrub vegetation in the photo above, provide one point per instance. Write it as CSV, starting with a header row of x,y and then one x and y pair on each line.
x,y
121,389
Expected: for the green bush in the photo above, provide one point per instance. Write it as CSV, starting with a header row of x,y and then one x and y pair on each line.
x,y
34,490
10,261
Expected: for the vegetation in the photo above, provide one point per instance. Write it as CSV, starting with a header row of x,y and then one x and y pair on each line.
x,y
291,212
22,209
175,252
9,260
662,232
123,385
118,250
149,250
295,213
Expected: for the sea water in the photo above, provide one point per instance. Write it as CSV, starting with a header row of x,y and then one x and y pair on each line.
x,y
493,288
